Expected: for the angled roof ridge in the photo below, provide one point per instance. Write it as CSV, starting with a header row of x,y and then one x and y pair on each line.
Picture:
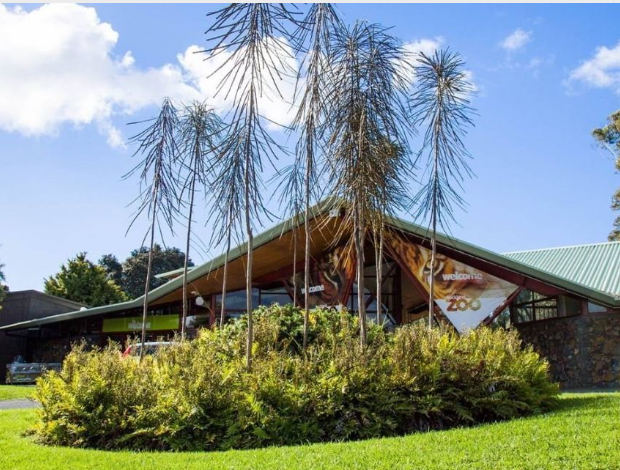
x,y
583,245
395,222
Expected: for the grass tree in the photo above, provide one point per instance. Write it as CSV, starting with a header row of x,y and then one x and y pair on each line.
x,y
366,121
227,208
291,188
158,197
441,103
314,37
257,58
198,135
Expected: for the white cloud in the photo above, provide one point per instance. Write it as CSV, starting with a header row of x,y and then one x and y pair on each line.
x,y
425,45
205,75
601,71
60,66
516,40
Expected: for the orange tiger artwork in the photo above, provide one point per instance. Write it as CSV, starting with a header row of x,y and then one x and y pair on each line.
x,y
452,278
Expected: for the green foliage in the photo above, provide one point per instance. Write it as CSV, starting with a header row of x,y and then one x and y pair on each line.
x,y
198,395
609,138
113,268
82,281
135,266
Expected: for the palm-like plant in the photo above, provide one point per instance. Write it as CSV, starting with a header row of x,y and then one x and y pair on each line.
x,y
255,66
366,121
314,37
441,102
158,196
198,135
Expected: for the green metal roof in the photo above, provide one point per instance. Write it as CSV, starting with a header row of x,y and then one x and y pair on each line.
x,y
570,285
173,273
596,266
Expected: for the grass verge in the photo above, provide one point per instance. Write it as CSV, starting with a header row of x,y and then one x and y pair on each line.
x,y
13,392
582,434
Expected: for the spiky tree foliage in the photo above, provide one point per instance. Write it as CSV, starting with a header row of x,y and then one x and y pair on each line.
x,y
441,103
291,201
366,116
227,208
158,197
250,33
198,136
609,138
314,37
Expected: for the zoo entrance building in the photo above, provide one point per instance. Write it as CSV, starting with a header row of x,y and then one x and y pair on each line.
x,y
564,301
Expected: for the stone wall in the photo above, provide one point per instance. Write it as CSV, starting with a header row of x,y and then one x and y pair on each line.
x,y
583,351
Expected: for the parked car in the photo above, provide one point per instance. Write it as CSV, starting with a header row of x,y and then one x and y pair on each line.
x,y
150,348
27,372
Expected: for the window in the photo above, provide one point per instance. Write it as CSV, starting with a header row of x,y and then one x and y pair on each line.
x,y
236,301
532,306
596,308
277,295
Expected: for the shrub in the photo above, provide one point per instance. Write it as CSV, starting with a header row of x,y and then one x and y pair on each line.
x,y
199,396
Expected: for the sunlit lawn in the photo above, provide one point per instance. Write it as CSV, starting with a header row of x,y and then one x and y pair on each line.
x,y
13,392
584,433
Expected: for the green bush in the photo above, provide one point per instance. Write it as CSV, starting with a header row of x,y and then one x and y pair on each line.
x,y
198,395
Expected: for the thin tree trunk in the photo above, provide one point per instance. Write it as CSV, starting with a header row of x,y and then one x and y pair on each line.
x,y
189,235
307,255
431,293
359,249
248,286
224,281
379,272
295,262
145,305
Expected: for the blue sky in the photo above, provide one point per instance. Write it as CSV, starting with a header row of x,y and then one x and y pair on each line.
x,y
74,76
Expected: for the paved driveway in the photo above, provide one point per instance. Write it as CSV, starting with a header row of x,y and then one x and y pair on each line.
x,y
17,404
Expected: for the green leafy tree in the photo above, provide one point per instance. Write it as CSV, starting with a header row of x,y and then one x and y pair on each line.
x,y
113,268
135,267
609,138
83,281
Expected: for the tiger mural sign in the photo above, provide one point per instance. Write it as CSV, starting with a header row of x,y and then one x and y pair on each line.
x,y
465,295
329,278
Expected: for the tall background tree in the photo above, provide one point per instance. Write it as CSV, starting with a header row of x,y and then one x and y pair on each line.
x,y
158,197
609,138
441,103
113,268
250,32
198,135
83,281
134,268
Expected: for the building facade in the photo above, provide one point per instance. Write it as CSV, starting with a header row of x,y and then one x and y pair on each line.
x,y
572,320
23,306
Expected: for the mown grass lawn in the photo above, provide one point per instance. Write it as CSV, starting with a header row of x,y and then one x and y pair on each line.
x,y
13,392
584,433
